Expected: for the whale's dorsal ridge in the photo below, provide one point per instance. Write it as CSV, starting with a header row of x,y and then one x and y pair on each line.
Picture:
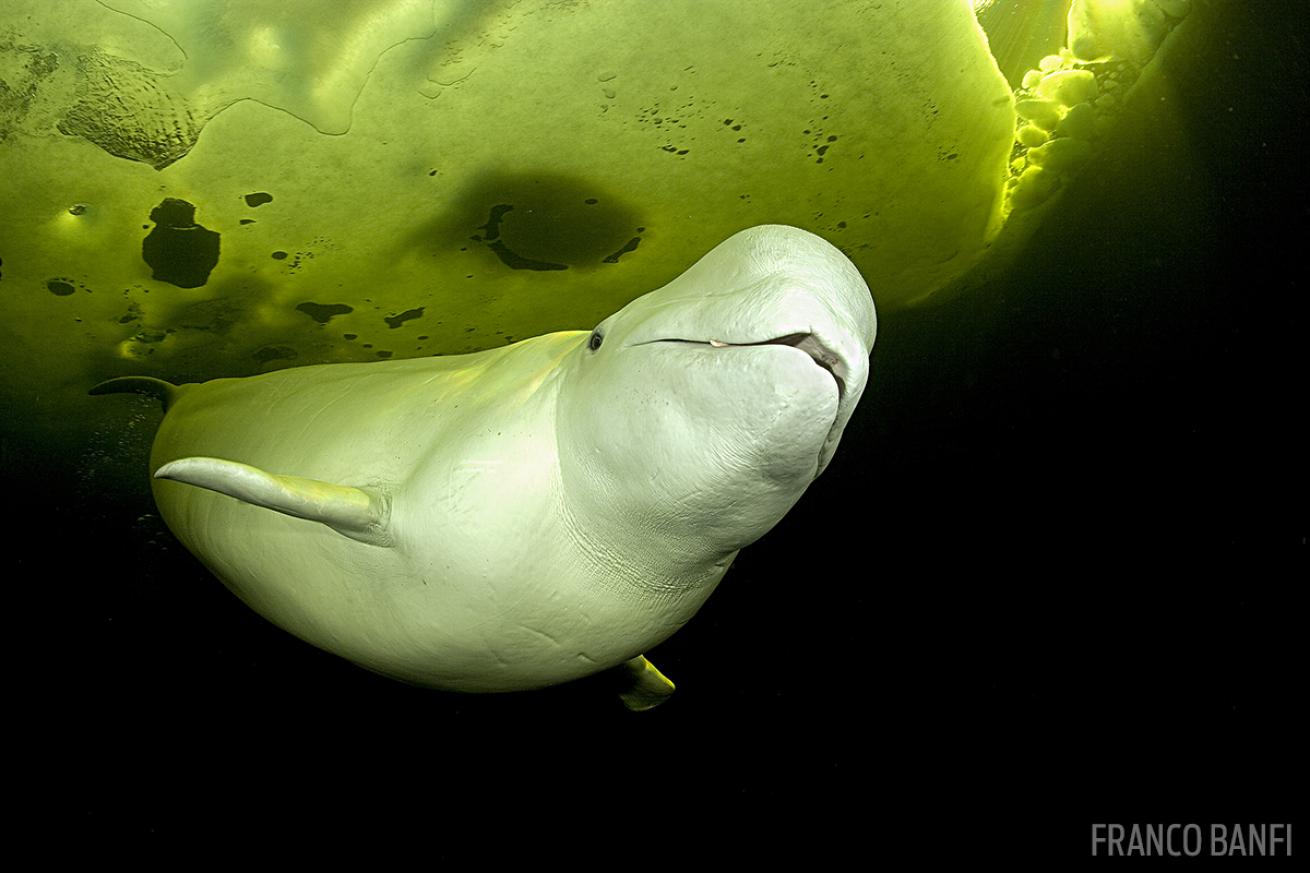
x,y
358,513
166,392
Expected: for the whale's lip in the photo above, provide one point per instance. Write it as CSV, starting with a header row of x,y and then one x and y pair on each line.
x,y
806,341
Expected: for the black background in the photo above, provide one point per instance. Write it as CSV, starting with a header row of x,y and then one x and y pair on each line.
x,y
1049,580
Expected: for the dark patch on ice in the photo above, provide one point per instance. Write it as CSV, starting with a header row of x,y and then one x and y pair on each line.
x,y
510,258
178,250
274,353
395,321
517,262
532,220
629,246
324,312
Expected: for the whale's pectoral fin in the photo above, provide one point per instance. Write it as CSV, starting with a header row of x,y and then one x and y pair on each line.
x,y
644,686
359,513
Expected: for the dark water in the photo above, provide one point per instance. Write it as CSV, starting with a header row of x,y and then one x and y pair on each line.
x,y
1048,581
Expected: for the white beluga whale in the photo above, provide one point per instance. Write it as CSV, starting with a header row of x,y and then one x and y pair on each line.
x,y
527,515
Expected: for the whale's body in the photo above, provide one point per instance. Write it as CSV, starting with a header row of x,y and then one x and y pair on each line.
x,y
532,514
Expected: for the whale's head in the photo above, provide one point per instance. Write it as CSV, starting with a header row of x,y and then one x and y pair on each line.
x,y
704,409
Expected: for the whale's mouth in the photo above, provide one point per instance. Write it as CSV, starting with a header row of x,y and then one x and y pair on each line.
x,y
806,342
810,344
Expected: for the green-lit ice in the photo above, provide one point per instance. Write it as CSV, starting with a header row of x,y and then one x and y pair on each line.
x,y
200,189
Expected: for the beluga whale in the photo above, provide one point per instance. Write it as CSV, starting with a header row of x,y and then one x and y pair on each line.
x,y
532,514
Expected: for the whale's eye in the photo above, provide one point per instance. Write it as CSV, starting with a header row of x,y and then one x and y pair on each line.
x,y
595,341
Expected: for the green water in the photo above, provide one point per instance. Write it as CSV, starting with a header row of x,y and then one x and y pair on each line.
x,y
1050,568
217,189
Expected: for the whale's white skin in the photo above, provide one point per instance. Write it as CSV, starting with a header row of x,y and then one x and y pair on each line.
x,y
532,514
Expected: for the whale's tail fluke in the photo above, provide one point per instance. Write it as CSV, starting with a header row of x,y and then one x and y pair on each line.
x,y
167,392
